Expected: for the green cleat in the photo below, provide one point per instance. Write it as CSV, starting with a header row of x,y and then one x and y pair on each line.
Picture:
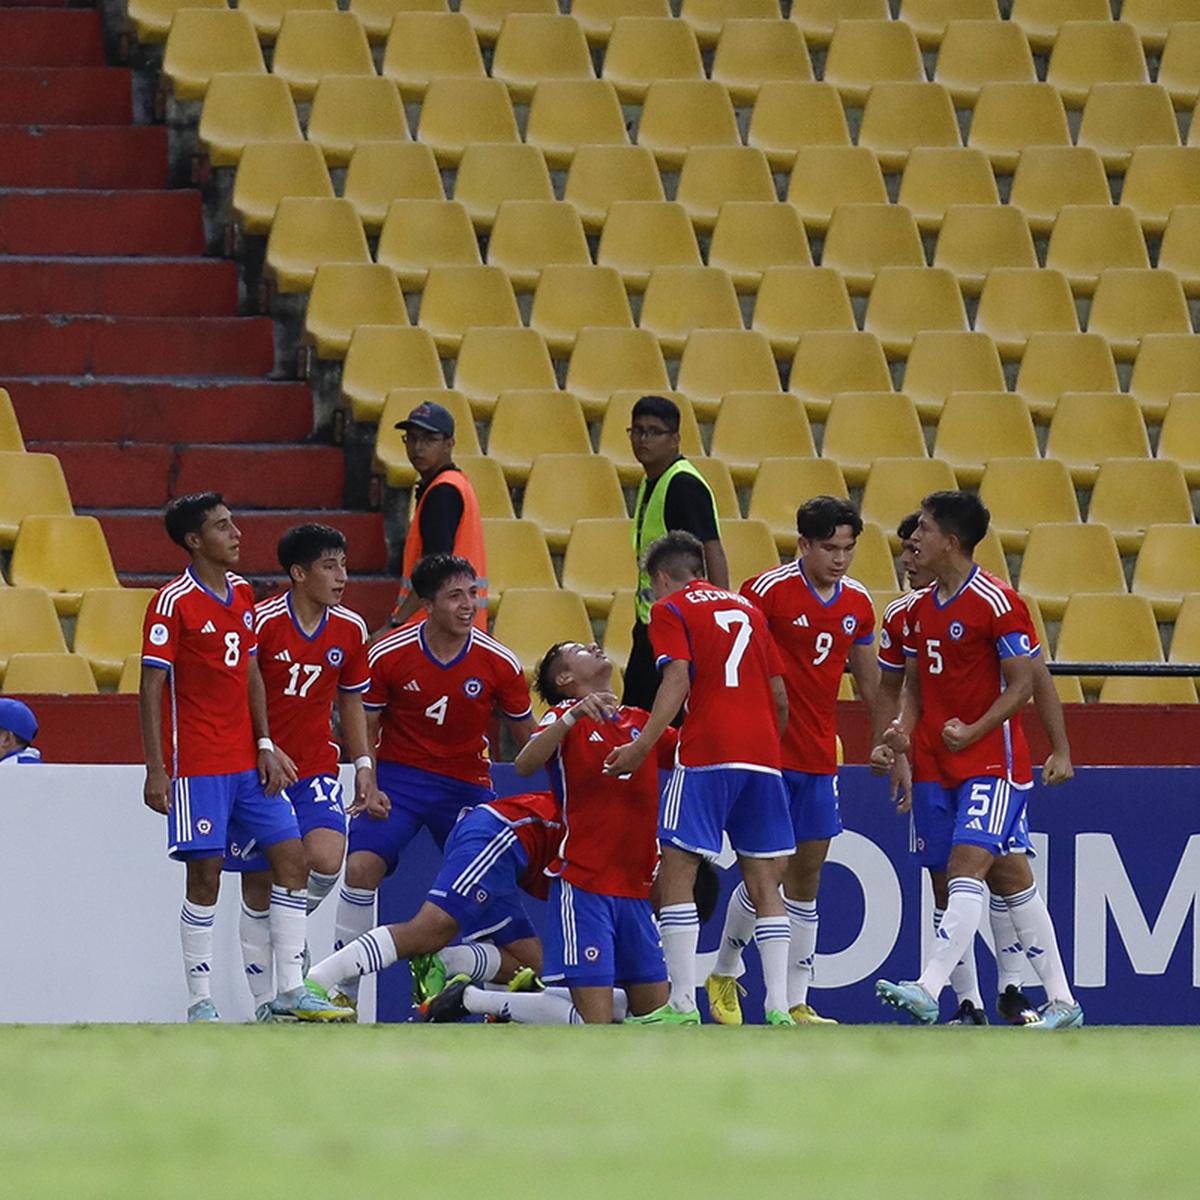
x,y
526,980
336,998
666,1016
428,977
778,1017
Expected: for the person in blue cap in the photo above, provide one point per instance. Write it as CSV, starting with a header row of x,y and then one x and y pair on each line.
x,y
18,728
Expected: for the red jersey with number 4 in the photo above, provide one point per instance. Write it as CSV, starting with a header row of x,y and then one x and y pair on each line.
x,y
814,637
610,845
536,818
303,675
959,646
731,657
205,643
435,714
891,658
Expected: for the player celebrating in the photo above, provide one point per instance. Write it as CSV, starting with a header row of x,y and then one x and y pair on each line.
x,y
433,688
715,652
200,647
970,672
820,619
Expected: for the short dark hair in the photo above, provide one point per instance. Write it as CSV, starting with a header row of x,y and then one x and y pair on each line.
x,y
908,526
822,516
674,553
543,675
302,545
960,513
434,569
662,407
187,514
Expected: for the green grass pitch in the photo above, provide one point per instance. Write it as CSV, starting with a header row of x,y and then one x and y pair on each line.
x,y
511,1111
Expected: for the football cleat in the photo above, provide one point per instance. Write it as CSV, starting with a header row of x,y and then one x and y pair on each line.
x,y
666,1016
203,1012
909,996
305,1004
428,977
448,1004
968,1014
526,980
341,1000
1016,1007
778,1017
805,1014
1058,1014
723,1004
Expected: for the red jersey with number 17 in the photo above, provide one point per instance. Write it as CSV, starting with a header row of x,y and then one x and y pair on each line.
x,y
731,658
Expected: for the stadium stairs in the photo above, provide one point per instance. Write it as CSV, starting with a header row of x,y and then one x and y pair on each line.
x,y
121,343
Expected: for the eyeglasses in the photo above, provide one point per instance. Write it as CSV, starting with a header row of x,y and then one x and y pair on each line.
x,y
647,431
423,437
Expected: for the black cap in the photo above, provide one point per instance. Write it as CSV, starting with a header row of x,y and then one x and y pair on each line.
x,y
430,416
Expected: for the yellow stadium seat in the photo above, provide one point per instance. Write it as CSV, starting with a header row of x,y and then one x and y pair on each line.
x,y
109,629
895,486
571,298
936,177
1094,52
63,555
268,15
819,18
1106,628
1168,567
1180,248
10,430
530,620
975,239
679,300
1134,493
641,235
1088,238
618,630
614,443
989,554
1048,178
1167,364
720,481
457,113
1155,20
1018,301
715,362
424,46
597,17
205,42
526,424
749,548
534,47
836,360
270,171
976,427
1010,117
906,300
607,361
1158,179
1039,628
680,114
599,562
565,487
456,299
794,300
644,49
781,485
418,235
1055,363
864,53
1120,117
381,172
378,16
600,176
28,624
240,109
487,479
152,18
1041,20
345,296
49,674
308,231
743,417
129,683
977,52
1179,438
567,114
516,556
494,360
382,357
712,175
873,566
489,174
899,117
945,361
930,19
753,52
1024,492
1179,67
488,16
312,45
752,235
30,485
1185,639
708,18
531,234
1131,303
1147,689
1062,558
1089,427
826,177
863,238
864,426
789,115
389,442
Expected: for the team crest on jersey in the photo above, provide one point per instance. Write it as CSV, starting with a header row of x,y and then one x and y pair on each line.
x,y
473,687
204,826
159,635
591,953
248,619
481,895
849,623
885,639
956,630
334,656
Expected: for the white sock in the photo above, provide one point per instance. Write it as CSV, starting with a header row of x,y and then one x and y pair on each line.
x,y
287,921
1031,918
374,951
319,886
735,937
957,931
479,960
1010,954
526,1008
679,925
773,937
803,924
254,932
196,938
355,915
964,979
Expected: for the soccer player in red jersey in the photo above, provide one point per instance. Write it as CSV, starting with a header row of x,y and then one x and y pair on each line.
x,y
715,652
969,671
820,619
202,768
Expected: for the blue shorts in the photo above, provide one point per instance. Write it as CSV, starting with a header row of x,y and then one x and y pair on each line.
x,y
813,800
318,804
600,941
931,825
419,799
987,813
479,881
208,812
699,803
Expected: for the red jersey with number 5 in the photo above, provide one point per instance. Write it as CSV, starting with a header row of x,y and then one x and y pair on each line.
x,y
436,714
303,675
731,659
891,658
204,642
814,637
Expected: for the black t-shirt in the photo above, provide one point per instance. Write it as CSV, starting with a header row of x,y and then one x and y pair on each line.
x,y
689,506
440,515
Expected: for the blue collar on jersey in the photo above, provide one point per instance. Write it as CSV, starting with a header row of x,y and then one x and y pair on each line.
x,y
29,754
966,583
837,590
308,637
437,662
227,601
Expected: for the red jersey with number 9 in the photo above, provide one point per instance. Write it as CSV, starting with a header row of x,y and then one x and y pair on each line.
x,y
731,658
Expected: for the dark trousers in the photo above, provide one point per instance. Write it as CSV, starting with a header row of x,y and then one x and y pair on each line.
x,y
641,675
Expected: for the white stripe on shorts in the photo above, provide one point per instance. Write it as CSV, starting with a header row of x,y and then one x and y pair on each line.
x,y
479,866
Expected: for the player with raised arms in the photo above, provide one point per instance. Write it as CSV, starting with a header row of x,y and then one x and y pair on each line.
x,y
203,770
716,653
820,619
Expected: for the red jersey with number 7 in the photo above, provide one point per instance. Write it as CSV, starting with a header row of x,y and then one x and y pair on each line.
x,y
731,657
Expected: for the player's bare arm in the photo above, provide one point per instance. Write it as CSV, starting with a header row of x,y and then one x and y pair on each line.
x,y
1058,768
864,667
1018,688
156,794
275,769
538,751
779,696
521,730
354,728
374,803
886,710
898,734
672,692
716,564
